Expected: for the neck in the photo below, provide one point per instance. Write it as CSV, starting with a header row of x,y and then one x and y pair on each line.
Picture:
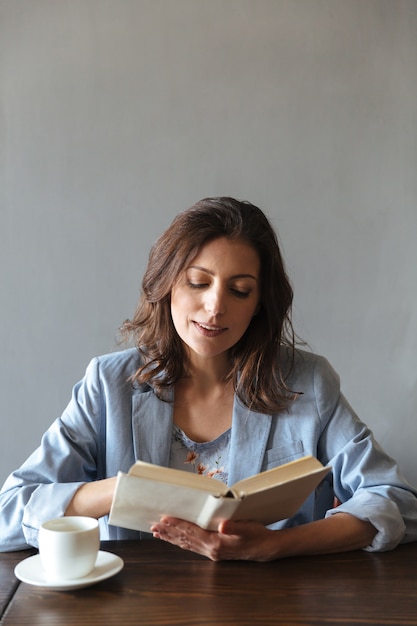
x,y
207,373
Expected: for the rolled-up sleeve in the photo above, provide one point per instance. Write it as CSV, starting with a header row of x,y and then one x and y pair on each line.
x,y
44,485
382,513
366,481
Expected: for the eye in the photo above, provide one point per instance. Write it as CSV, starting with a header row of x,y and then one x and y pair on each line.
x,y
239,293
196,285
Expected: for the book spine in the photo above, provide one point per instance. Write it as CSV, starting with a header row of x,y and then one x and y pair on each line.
x,y
215,510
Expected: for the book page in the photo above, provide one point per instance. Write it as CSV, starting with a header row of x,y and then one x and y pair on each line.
x,y
277,475
178,477
140,502
279,501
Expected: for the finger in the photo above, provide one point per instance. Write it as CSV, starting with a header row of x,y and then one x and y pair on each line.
x,y
179,532
240,528
227,527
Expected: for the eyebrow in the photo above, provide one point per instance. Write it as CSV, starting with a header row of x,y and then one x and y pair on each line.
x,y
204,269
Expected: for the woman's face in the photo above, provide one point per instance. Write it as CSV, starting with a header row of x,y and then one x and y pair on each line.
x,y
217,295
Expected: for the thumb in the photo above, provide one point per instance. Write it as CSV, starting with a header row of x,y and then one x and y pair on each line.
x,y
229,527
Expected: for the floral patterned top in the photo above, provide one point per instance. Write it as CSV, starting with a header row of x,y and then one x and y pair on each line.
x,y
209,458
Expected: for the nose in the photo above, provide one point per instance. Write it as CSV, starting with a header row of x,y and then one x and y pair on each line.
x,y
215,301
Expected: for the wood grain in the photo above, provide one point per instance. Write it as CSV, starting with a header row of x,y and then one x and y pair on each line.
x,y
161,584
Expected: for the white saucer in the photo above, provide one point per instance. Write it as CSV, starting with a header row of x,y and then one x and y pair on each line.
x,y
31,571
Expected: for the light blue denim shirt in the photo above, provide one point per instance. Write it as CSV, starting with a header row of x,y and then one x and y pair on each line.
x,y
108,424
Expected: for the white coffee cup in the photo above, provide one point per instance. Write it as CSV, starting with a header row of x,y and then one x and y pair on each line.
x,y
68,547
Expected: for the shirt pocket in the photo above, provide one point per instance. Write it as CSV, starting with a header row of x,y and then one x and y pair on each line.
x,y
283,454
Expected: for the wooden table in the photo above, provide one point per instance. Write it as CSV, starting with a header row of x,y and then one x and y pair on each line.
x,y
161,584
8,581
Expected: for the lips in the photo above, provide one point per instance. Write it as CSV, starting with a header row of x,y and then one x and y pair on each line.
x,y
207,330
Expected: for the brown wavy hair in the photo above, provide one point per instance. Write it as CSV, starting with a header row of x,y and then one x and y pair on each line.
x,y
256,364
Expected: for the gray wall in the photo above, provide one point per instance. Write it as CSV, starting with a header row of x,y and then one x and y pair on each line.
x,y
116,114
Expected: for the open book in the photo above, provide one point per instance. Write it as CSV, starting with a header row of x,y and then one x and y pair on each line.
x,y
149,491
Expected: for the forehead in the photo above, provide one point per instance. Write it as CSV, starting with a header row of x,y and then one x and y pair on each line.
x,y
234,255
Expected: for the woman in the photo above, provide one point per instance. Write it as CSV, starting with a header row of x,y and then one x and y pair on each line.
x,y
214,385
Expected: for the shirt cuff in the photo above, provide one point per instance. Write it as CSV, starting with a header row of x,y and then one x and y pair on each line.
x,y
46,502
382,513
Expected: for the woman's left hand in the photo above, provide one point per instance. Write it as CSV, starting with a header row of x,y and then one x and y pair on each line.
x,y
252,541
232,540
